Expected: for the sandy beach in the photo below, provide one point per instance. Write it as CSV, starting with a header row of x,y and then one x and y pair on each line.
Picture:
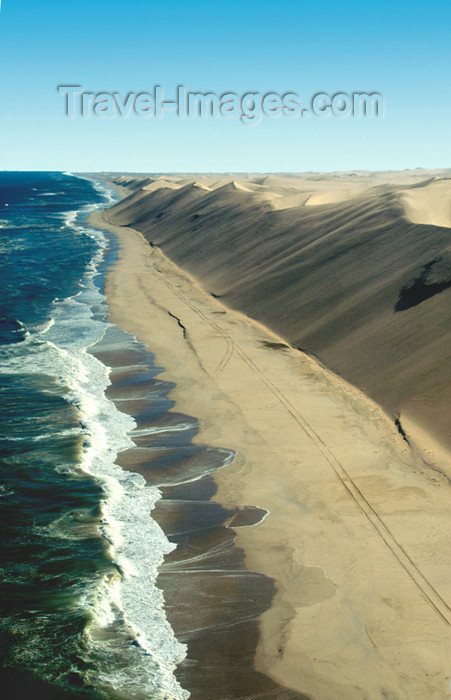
x,y
356,532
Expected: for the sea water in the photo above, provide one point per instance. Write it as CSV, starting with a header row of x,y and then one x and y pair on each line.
x,y
79,607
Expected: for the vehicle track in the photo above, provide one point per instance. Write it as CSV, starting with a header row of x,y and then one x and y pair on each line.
x,y
227,355
427,590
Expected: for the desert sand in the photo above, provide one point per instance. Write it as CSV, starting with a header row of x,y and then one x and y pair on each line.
x,y
356,536
352,268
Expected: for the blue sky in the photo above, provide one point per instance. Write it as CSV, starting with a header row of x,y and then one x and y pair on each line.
x,y
400,49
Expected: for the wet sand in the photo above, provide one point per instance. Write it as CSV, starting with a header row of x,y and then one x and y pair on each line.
x,y
356,536
212,601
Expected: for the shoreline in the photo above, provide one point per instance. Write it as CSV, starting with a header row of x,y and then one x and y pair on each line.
x,y
217,616
279,410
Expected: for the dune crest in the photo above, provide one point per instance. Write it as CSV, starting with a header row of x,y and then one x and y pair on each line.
x,y
354,282
430,204
331,196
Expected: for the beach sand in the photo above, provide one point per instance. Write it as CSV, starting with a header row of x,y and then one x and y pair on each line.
x,y
356,534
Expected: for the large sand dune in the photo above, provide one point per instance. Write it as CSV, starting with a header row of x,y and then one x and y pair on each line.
x,y
353,268
356,533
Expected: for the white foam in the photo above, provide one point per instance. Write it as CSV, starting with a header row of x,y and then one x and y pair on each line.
x,y
4,491
69,218
164,429
137,545
46,326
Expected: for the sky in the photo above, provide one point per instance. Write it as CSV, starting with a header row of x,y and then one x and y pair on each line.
x,y
398,49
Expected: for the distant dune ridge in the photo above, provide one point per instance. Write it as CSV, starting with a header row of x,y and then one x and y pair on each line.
x,y
354,268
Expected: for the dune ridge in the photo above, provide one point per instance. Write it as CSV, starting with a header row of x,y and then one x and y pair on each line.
x,y
352,268
355,535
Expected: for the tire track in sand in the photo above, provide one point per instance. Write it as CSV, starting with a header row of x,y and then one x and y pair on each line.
x,y
426,589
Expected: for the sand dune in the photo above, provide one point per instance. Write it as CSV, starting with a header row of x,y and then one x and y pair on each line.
x,y
361,282
429,203
356,532
330,196
160,182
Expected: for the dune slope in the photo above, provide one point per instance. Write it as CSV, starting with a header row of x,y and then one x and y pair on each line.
x,y
362,282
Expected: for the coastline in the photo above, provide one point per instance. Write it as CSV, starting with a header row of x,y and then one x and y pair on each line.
x,y
335,527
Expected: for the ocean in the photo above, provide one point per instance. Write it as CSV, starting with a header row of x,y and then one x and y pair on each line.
x,y
119,573
81,615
